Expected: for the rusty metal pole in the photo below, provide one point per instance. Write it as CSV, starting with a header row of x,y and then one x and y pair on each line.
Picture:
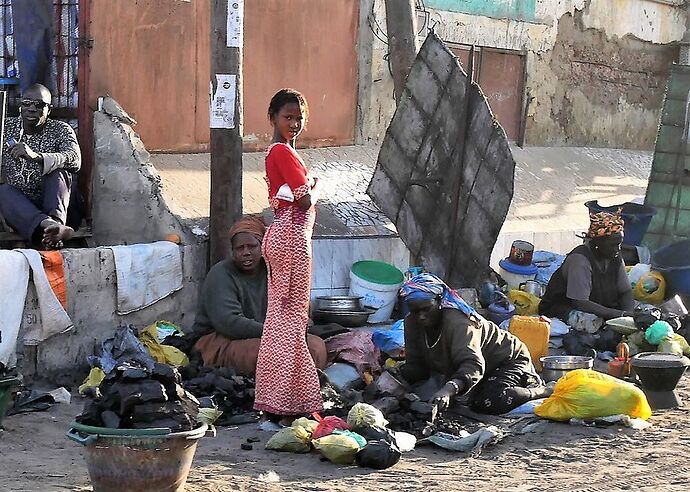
x,y
227,19
401,24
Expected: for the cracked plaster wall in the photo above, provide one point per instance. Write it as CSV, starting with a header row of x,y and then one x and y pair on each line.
x,y
596,69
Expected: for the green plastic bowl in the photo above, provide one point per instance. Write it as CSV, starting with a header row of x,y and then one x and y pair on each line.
x,y
377,272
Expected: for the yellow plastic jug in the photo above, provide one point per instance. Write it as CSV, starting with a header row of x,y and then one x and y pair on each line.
x,y
534,332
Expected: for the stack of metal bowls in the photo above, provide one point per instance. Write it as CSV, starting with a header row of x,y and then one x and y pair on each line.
x,y
343,310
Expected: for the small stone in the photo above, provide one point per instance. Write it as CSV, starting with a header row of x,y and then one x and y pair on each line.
x,y
246,446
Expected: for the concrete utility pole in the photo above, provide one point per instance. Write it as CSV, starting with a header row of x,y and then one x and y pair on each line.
x,y
227,18
401,24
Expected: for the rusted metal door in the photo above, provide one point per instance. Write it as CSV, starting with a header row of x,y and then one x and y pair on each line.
x,y
500,74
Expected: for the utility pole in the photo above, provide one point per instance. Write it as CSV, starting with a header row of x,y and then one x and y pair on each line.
x,y
401,24
227,19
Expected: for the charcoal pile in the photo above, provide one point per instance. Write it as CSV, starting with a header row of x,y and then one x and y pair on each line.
x,y
141,396
220,388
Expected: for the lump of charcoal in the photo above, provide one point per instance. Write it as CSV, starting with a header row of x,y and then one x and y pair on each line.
x,y
422,408
130,394
133,373
239,381
226,372
225,384
110,419
165,374
387,404
150,413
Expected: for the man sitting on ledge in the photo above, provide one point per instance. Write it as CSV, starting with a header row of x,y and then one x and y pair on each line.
x,y
233,303
40,157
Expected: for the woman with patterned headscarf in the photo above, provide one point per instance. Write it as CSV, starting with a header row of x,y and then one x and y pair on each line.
x,y
591,286
446,338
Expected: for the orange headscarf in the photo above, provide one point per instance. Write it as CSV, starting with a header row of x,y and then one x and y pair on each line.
x,y
252,224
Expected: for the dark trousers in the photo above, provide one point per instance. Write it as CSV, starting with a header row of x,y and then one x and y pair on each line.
x,y
24,215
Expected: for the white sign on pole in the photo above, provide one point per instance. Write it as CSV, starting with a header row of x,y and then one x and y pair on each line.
x,y
235,23
223,101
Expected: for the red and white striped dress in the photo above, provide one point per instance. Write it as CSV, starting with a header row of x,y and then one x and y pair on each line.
x,y
286,378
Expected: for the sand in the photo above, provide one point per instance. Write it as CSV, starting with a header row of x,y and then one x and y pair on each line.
x,y
36,455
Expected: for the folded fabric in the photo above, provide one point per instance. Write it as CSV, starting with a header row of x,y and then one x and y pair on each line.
x,y
54,318
55,271
14,272
146,273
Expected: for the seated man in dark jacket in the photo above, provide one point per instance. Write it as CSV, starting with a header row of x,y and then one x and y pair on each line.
x,y
591,286
445,337
233,303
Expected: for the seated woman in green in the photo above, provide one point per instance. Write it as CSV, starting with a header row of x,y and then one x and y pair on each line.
x,y
445,336
591,286
233,302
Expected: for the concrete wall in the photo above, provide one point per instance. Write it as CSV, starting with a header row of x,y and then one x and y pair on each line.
x,y
91,299
596,69
128,206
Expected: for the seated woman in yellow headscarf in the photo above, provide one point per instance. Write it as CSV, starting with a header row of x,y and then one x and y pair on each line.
x,y
233,303
591,286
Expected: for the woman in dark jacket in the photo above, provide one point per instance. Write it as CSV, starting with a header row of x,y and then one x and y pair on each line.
x,y
592,278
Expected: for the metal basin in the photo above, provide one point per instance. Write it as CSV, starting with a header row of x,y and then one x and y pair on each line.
x,y
350,319
339,303
557,366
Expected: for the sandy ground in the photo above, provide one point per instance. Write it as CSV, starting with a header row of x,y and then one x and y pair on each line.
x,y
35,455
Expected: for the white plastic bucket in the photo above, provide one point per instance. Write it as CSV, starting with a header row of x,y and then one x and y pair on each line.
x,y
515,279
375,296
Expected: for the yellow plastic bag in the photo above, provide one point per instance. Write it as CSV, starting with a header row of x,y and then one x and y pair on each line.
x,y
526,304
587,394
651,288
337,448
307,424
165,354
290,439
93,380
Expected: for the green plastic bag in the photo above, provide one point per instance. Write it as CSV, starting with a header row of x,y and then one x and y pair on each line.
x,y
291,440
587,394
360,439
337,448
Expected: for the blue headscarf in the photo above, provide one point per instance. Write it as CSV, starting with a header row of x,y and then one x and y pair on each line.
x,y
426,287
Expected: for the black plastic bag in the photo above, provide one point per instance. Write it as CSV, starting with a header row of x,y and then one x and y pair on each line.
x,y
645,315
375,433
378,455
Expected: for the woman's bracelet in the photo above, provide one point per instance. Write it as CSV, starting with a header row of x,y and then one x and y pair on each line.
x,y
455,385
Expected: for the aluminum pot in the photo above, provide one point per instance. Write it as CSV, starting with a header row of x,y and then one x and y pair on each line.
x,y
557,366
339,303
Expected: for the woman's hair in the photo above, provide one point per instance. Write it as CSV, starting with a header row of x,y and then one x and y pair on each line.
x,y
287,96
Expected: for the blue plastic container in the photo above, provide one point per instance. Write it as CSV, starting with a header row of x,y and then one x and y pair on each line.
x,y
673,262
637,219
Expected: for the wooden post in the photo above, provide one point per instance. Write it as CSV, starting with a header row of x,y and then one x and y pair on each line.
x,y
227,18
401,24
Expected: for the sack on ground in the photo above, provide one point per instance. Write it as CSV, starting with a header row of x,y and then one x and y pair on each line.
x,y
379,455
291,439
327,425
354,435
376,433
365,415
307,424
588,394
338,449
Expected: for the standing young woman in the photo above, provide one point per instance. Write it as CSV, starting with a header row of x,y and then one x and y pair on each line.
x,y
287,384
